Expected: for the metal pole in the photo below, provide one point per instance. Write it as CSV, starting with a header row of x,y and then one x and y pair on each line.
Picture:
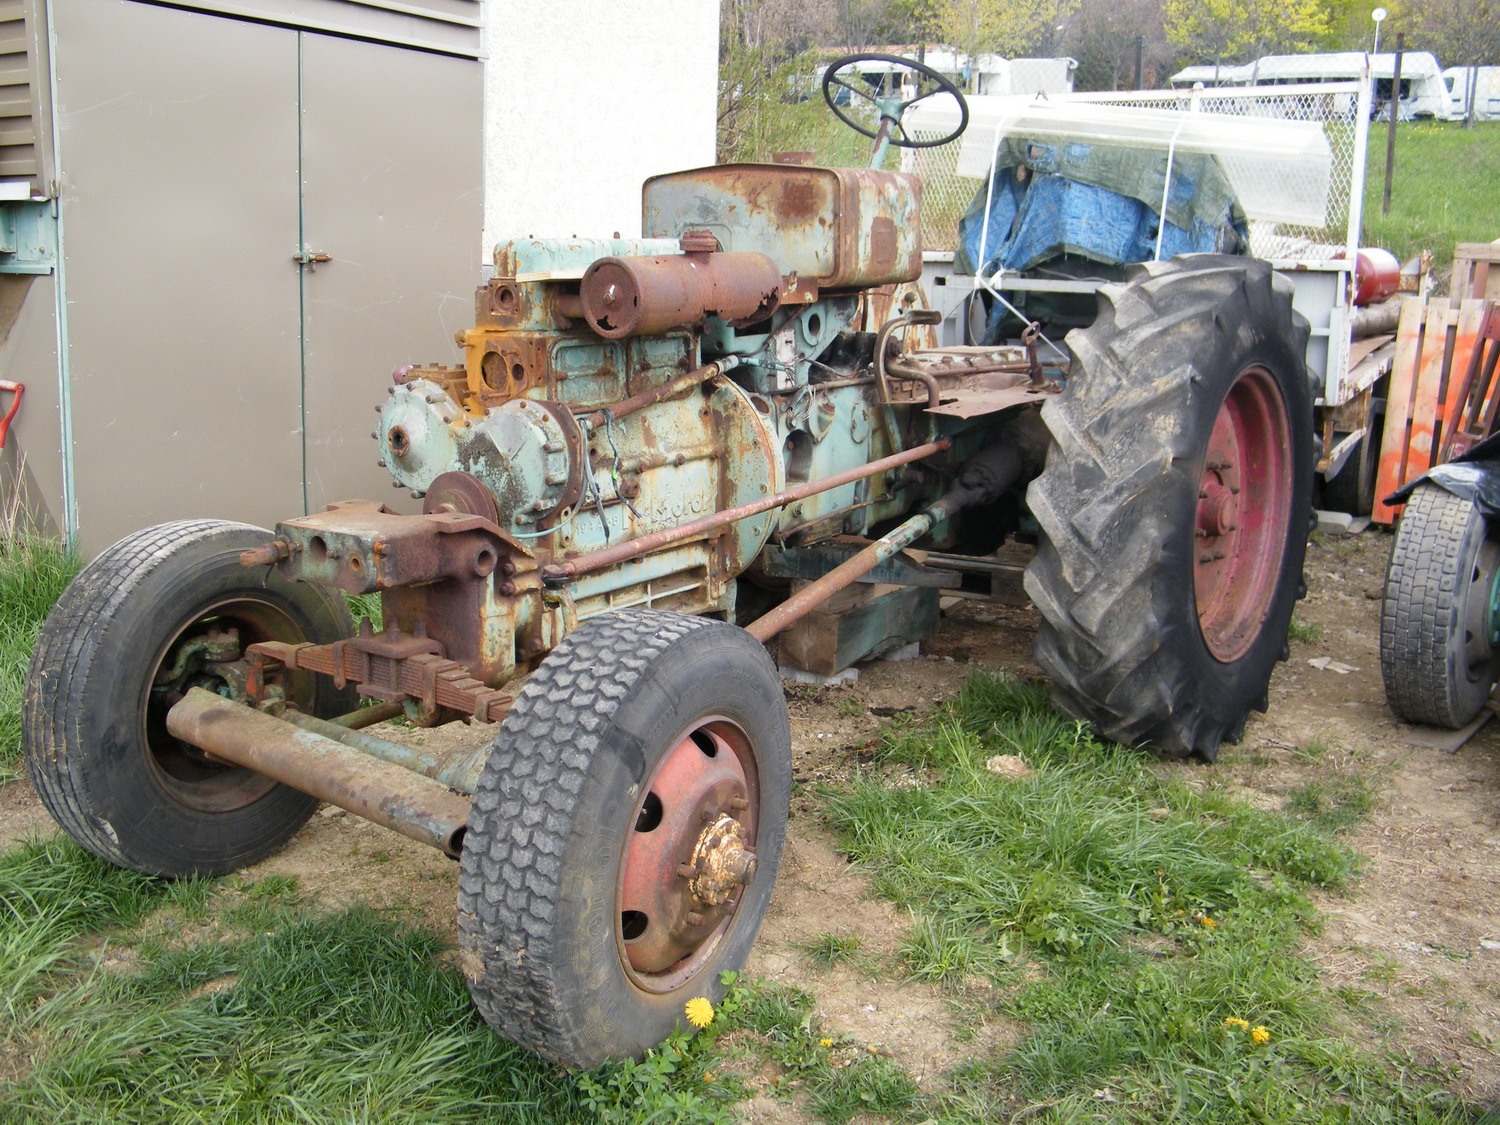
x,y
807,599
409,803
620,552
1140,70
1390,137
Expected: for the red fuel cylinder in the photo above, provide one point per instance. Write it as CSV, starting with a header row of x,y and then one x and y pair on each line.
x,y
643,296
1377,275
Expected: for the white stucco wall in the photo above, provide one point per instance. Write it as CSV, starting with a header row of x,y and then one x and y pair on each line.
x,y
586,98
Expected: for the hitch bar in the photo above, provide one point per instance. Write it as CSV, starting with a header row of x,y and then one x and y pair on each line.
x,y
415,806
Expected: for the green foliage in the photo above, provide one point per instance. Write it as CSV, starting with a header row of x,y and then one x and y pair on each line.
x,y
1241,30
1004,27
33,574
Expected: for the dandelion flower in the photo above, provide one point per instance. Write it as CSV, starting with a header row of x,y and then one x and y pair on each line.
x,y
1260,1035
1211,923
1235,1021
825,1042
708,1076
700,1013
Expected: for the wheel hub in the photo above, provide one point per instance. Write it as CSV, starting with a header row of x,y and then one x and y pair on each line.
x,y
688,857
721,862
1243,512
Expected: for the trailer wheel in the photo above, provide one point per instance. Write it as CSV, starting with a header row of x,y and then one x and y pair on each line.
x,y
625,834
1175,504
140,625
1439,653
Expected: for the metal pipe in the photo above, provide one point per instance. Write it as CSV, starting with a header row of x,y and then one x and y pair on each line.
x,y
620,552
408,758
458,769
898,369
660,391
363,717
807,599
415,806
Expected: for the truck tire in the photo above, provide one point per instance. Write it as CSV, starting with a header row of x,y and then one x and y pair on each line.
x,y
1438,654
94,726
644,744
1175,504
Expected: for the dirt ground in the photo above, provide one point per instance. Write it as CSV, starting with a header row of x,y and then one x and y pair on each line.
x,y
1422,929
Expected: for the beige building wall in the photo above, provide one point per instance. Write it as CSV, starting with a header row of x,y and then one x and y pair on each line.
x,y
584,99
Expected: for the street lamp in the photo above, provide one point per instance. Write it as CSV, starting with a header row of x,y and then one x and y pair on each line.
x,y
1378,15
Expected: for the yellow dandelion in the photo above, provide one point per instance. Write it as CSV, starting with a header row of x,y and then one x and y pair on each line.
x,y
1211,923
1260,1035
1235,1021
825,1042
708,1076
700,1013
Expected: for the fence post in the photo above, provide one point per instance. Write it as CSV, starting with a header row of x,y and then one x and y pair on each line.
x,y
1390,137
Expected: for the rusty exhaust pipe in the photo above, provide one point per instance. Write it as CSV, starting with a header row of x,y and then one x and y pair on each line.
x,y
415,806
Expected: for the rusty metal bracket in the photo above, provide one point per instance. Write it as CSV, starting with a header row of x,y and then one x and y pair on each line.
x,y
420,674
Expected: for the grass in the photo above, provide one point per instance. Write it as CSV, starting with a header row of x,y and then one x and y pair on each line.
x,y
1306,632
1443,189
131,999
1140,925
33,575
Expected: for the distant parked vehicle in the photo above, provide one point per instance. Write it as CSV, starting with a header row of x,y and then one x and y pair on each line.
x,y
1424,94
1485,82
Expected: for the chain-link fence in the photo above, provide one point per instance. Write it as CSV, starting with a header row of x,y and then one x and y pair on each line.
x,y
1338,108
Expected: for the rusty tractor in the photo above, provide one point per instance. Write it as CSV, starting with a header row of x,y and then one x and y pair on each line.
x,y
648,442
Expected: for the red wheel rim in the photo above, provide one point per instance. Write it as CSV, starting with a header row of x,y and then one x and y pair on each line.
x,y
688,857
1244,508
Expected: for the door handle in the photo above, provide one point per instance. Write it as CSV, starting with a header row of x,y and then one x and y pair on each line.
x,y
311,258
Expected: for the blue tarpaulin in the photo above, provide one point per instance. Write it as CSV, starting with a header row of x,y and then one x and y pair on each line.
x,y
1098,202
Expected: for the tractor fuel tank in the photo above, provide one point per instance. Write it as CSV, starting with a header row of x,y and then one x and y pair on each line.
x,y
831,228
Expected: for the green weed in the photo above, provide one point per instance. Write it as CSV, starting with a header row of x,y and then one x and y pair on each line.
x,y
1308,632
33,574
829,949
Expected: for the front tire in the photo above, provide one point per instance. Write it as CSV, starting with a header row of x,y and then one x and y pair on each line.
x,y
1438,652
1175,504
128,637
604,875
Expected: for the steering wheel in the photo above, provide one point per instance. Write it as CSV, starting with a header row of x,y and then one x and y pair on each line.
x,y
929,84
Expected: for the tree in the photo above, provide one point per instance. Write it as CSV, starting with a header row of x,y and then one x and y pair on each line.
x,y
1103,35
1460,33
1002,27
1241,30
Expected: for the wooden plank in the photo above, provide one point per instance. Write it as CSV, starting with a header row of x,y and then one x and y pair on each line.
x,y
856,622
1398,407
1434,349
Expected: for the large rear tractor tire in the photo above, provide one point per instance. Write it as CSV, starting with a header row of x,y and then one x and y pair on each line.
x,y
164,610
625,834
1439,654
1175,504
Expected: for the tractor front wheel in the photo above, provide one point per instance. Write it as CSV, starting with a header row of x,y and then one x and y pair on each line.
x,y
162,611
1175,504
625,834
